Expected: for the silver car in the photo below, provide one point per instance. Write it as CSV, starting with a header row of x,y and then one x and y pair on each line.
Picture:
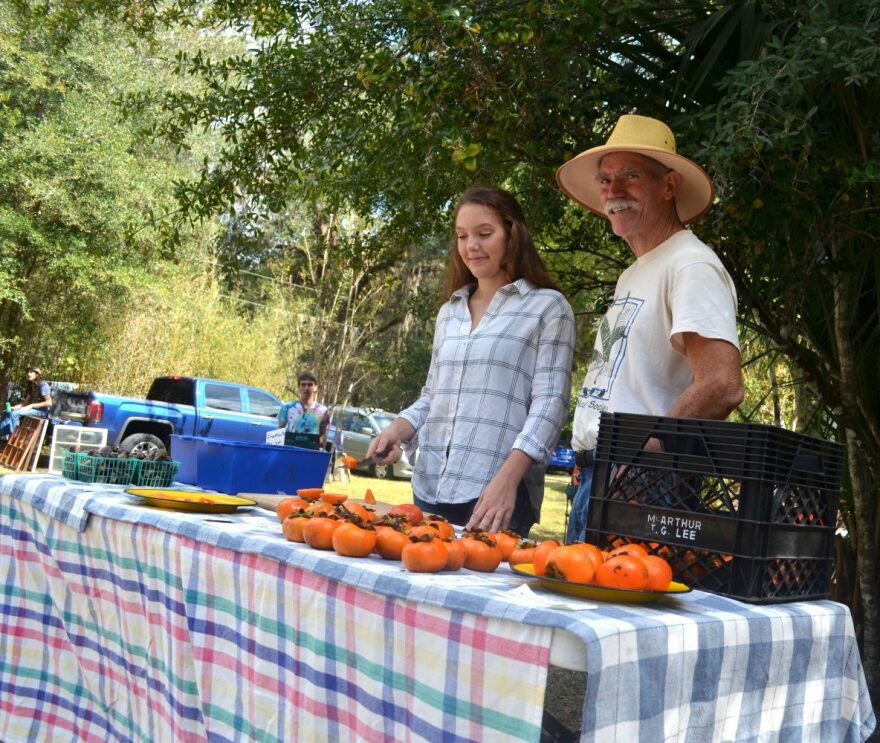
x,y
358,427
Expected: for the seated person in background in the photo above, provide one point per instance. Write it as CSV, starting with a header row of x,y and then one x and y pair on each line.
x,y
36,403
500,377
306,417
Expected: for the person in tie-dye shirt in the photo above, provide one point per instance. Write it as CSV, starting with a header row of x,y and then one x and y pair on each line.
x,y
306,416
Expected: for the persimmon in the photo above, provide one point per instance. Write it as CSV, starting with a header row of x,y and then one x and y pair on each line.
x,y
351,540
523,553
320,508
659,573
412,512
310,493
334,499
591,551
455,553
289,505
293,526
622,571
507,540
356,509
397,521
444,528
481,553
369,497
425,554
636,550
570,563
542,552
490,535
390,542
318,532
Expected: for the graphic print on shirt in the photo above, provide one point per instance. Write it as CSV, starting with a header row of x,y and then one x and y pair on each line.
x,y
610,348
306,422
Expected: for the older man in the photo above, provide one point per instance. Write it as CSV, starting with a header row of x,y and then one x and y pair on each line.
x,y
668,344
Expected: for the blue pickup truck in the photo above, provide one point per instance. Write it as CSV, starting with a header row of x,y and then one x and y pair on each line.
x,y
189,406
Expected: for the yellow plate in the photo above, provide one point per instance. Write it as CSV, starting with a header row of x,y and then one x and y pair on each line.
x,y
187,500
599,593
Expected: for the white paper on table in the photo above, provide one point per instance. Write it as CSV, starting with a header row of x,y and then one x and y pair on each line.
x,y
244,523
458,580
522,595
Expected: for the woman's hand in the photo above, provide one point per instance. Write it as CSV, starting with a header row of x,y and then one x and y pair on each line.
x,y
496,503
387,445
495,506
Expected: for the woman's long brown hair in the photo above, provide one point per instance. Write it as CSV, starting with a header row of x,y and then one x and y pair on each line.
x,y
521,261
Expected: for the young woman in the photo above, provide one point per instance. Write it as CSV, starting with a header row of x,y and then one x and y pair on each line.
x,y
500,376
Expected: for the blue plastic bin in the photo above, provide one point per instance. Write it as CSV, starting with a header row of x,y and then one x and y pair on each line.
x,y
239,467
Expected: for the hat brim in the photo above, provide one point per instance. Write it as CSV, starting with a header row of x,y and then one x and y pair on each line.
x,y
577,179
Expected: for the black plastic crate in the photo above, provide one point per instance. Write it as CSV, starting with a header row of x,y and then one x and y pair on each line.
x,y
741,509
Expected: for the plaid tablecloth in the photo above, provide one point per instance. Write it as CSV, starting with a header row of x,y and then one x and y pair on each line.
x,y
140,624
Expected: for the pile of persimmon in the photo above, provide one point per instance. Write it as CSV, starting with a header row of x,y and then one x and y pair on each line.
x,y
628,566
424,543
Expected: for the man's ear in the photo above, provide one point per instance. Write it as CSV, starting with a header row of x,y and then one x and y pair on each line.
x,y
671,182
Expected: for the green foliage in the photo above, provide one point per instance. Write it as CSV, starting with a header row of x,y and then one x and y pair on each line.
x,y
160,330
82,192
392,109
793,138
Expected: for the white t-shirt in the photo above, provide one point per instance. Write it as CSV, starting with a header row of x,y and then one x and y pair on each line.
x,y
638,363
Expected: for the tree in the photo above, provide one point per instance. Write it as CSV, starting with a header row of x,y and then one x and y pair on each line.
x,y
338,293
82,189
792,137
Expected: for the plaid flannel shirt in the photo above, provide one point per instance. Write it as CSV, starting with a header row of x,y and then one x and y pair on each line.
x,y
503,385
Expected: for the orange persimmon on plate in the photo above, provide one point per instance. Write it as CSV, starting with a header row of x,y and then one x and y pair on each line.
x,y
593,592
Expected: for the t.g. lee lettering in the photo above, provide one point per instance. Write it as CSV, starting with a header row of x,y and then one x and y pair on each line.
x,y
676,527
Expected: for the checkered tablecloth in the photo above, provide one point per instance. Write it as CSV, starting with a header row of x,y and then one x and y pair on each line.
x,y
130,623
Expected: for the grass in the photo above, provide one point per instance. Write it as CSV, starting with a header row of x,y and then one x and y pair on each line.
x,y
552,524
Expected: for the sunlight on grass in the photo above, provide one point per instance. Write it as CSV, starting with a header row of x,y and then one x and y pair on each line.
x,y
552,524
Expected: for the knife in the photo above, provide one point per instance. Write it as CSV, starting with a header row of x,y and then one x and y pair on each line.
x,y
374,459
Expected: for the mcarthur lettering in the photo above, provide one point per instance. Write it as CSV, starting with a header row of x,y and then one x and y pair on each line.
x,y
677,527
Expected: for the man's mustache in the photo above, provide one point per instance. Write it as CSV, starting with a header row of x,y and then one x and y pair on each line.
x,y
616,205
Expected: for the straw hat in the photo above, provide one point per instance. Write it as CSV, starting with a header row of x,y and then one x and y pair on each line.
x,y
649,137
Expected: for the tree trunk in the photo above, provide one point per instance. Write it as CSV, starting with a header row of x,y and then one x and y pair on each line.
x,y
774,393
861,479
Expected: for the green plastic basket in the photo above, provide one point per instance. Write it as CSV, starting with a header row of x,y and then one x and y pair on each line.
x,y
70,465
155,474
107,470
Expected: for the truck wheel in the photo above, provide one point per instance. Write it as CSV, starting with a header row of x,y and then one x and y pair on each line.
x,y
145,443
